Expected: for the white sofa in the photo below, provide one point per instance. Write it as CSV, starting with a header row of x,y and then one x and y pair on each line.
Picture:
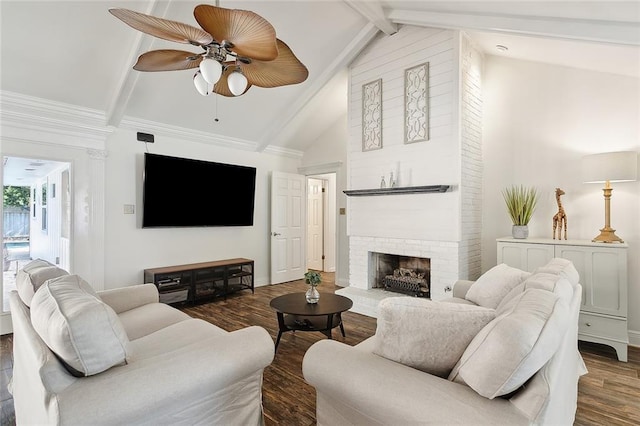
x,y
121,357
502,353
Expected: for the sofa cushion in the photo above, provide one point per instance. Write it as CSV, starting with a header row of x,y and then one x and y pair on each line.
x,y
149,318
495,284
544,281
84,332
427,335
562,267
515,345
33,275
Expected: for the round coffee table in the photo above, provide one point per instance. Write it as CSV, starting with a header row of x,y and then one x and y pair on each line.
x,y
294,313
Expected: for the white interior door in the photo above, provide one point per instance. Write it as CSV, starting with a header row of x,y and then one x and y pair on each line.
x,y
287,227
315,224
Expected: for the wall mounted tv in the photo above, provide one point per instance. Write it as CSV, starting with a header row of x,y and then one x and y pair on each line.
x,y
182,192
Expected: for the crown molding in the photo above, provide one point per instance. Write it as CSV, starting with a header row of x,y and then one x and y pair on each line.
x,y
156,128
42,120
283,152
623,33
34,119
316,169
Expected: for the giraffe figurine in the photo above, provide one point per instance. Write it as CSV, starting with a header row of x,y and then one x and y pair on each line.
x,y
559,218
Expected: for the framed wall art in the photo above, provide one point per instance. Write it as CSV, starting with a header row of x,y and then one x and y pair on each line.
x,y
416,103
372,115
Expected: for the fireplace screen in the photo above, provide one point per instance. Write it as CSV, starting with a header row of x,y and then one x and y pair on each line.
x,y
401,274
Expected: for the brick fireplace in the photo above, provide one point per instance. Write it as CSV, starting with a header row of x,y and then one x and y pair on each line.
x,y
443,268
441,227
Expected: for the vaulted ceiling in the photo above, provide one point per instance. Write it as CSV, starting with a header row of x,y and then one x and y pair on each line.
x,y
77,53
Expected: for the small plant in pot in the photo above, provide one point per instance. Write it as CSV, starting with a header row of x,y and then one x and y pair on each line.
x,y
521,202
313,278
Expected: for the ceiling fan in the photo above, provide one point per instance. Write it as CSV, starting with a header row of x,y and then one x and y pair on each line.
x,y
240,50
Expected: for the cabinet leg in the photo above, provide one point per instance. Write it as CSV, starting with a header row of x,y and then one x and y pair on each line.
x,y
621,351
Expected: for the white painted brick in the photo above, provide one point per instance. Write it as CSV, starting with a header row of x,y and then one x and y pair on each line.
x,y
443,227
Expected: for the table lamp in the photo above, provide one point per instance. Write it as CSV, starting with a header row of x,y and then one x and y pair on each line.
x,y
609,167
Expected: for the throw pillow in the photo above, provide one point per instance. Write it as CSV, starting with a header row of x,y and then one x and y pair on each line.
x,y
515,345
495,284
33,275
426,335
84,332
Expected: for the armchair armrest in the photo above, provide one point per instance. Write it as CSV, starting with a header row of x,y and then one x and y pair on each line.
x,y
213,378
126,298
461,287
355,384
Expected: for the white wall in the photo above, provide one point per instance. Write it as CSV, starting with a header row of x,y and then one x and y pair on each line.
x,y
433,217
130,249
539,120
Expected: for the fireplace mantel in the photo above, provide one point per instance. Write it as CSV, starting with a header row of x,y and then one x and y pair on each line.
x,y
396,191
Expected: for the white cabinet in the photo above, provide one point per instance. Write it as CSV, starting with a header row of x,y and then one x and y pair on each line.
x,y
603,275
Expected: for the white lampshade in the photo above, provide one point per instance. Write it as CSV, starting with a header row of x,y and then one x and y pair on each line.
x,y
201,84
237,83
211,70
610,166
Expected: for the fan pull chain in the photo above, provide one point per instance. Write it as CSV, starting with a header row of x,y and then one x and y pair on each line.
x,y
216,114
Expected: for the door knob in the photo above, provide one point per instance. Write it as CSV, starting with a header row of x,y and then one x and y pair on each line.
x,y
275,234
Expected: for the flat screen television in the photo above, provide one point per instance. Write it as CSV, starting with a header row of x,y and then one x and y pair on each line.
x,y
182,192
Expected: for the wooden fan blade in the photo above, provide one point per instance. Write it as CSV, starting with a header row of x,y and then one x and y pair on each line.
x,y
252,35
284,70
167,60
163,28
222,86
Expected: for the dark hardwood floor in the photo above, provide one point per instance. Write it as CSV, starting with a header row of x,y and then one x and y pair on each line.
x,y
608,395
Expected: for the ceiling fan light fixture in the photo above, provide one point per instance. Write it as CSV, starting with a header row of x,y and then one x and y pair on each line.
x,y
237,83
211,70
202,86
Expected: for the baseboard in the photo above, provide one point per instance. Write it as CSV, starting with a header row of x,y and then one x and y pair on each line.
x,y
634,338
261,282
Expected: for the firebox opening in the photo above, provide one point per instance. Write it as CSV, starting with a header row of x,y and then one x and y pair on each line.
x,y
401,274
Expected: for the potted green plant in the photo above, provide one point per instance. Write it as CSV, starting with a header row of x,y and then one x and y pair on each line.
x,y
313,278
521,202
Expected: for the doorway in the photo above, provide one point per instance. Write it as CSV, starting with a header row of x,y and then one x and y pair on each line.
x,y
289,235
321,222
36,216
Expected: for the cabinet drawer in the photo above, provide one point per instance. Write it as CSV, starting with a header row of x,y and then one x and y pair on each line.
x,y
175,296
599,326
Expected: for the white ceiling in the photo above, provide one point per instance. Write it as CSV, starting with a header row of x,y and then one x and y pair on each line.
x,y
77,53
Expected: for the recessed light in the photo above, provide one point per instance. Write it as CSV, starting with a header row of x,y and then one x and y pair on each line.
x,y
502,47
